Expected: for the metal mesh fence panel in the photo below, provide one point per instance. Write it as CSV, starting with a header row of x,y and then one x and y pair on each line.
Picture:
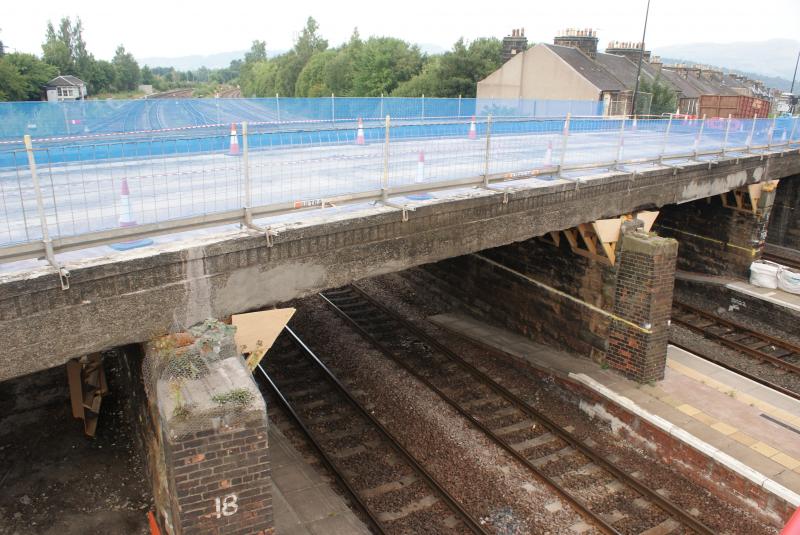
x,y
106,184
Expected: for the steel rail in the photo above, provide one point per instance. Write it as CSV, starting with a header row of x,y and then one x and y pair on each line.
x,y
662,502
582,508
326,459
793,263
732,344
472,523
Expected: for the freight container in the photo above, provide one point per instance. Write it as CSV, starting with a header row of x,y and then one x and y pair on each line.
x,y
738,106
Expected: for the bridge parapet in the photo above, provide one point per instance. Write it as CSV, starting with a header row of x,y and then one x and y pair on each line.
x,y
140,295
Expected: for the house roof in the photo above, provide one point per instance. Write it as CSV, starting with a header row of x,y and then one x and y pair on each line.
x,y
66,81
593,71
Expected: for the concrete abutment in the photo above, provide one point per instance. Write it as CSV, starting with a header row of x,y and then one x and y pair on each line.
x,y
784,223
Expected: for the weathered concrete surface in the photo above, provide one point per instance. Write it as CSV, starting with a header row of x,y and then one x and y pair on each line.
x,y
139,295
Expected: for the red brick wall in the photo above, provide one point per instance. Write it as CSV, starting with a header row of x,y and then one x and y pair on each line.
x,y
643,297
219,481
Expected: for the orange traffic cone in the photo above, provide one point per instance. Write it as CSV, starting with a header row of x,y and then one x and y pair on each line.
x,y
360,133
234,150
420,168
126,219
473,133
548,154
125,215
792,527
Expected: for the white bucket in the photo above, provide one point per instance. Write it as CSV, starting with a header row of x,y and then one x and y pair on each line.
x,y
789,281
764,274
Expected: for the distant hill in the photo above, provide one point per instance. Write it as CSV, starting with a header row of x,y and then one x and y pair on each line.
x,y
775,82
772,58
223,59
191,63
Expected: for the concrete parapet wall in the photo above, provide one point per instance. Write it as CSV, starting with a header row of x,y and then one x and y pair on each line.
x,y
140,295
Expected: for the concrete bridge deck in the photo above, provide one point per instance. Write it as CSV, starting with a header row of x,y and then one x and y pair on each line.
x,y
140,294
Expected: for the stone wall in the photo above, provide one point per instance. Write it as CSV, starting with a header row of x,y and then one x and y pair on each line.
x,y
715,239
784,224
617,314
533,311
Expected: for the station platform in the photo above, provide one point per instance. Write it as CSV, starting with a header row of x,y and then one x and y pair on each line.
x,y
303,503
776,297
750,429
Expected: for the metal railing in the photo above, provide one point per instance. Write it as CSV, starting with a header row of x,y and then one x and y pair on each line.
x,y
60,196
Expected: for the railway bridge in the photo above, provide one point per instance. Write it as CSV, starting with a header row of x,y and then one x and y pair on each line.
x,y
567,233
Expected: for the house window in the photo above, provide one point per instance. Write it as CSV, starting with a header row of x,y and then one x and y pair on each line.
x,y
66,92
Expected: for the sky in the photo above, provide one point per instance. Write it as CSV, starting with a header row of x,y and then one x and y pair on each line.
x,y
177,28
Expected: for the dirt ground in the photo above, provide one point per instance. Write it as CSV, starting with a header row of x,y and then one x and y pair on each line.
x,y
54,479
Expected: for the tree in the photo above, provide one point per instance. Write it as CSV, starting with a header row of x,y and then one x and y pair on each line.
x,y
34,72
12,83
291,63
664,99
126,70
56,52
258,52
455,72
382,64
147,75
312,81
102,76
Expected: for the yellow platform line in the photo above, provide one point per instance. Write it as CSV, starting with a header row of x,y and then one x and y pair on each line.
x,y
726,429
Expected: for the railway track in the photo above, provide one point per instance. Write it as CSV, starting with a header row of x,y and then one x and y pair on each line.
x,y
780,259
391,487
609,498
760,346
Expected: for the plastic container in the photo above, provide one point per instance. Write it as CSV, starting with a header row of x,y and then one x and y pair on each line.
x,y
764,274
789,280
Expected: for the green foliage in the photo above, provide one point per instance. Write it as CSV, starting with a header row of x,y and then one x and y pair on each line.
x,y
664,99
237,397
34,73
456,72
312,81
383,64
12,83
126,70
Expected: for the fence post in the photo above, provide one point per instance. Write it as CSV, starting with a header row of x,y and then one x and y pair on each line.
x,y
423,107
333,109
385,181
381,113
620,142
699,135
48,245
771,133
248,190
752,131
278,106
666,138
565,136
727,131
488,149
459,106
794,127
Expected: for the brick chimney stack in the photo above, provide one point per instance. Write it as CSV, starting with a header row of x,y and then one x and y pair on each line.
x,y
514,44
628,49
585,40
